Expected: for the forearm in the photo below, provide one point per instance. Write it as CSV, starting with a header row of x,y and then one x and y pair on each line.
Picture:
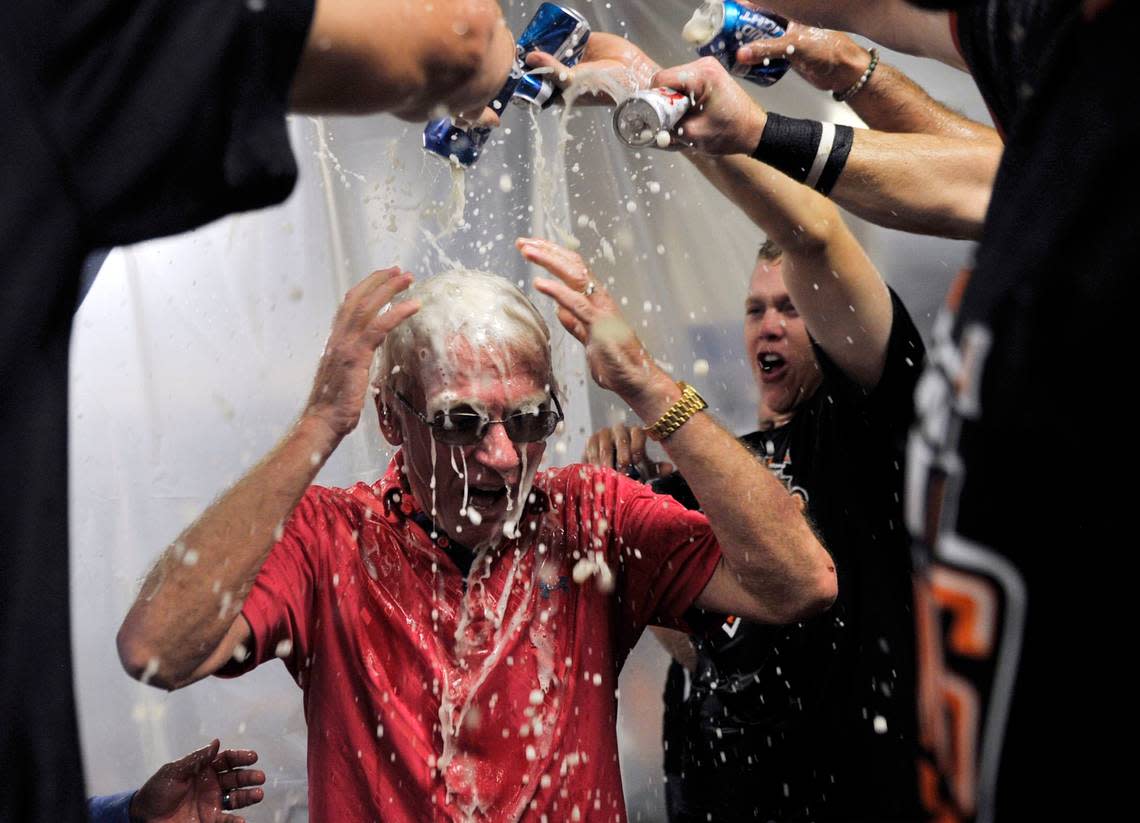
x,y
833,284
893,23
199,584
919,183
797,218
402,57
679,646
767,544
891,101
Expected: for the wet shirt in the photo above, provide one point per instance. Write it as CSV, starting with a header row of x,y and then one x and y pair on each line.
x,y
122,121
818,717
1014,471
430,700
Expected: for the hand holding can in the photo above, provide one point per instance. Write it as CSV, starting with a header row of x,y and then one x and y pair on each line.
x,y
648,117
722,118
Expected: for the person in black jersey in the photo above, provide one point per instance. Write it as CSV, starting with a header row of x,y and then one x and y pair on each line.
x,y
813,721
848,753
130,120
1013,465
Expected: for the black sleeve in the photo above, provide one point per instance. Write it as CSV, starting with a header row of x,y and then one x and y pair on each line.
x,y
166,115
891,402
675,486
1010,46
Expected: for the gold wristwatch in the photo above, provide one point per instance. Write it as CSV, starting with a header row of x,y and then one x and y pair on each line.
x,y
689,403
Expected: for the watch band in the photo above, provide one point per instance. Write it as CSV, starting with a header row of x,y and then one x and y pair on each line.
x,y
689,403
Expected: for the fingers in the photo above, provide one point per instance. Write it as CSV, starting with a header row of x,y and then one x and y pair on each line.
x,y
591,454
574,307
758,51
240,798
623,454
234,759
559,74
575,311
194,762
388,283
690,78
240,778
566,265
637,455
384,323
600,449
485,118
376,291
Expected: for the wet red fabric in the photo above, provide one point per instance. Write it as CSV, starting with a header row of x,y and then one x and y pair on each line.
x,y
424,703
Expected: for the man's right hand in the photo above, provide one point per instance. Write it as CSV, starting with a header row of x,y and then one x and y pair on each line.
x,y
723,118
622,447
357,331
829,60
606,55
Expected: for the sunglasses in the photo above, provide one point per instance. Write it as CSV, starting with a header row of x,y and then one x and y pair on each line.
x,y
466,428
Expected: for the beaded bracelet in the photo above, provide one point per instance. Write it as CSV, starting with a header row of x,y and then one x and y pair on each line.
x,y
843,96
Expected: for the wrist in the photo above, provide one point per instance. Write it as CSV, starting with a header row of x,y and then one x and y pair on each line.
x,y
317,433
654,398
851,67
844,94
757,121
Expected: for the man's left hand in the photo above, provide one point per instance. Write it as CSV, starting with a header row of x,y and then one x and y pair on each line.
x,y
200,788
617,359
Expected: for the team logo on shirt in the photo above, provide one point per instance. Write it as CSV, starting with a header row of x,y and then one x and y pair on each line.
x,y
731,625
783,471
970,600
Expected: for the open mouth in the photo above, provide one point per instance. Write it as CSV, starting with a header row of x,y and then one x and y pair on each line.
x,y
772,365
486,498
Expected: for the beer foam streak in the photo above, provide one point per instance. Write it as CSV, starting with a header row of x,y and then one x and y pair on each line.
x,y
547,179
704,24
456,201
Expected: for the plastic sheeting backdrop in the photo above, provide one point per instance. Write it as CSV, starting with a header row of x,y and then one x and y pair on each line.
x,y
192,355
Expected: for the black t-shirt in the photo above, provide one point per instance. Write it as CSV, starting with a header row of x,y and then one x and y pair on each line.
x,y
1015,490
815,721
122,120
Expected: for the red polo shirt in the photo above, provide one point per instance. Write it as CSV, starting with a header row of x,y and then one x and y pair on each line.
x,y
424,701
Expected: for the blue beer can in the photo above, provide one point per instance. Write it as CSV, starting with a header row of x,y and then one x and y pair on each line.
x,y
719,27
557,30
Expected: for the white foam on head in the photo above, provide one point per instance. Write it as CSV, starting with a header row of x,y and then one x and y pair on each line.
x,y
485,310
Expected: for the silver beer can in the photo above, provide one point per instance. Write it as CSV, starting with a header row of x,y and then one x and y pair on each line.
x,y
639,119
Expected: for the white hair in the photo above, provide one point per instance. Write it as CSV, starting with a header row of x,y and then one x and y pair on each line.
x,y
485,310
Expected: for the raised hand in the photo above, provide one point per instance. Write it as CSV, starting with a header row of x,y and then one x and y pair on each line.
x,y
622,447
723,118
829,60
610,70
357,331
200,788
616,357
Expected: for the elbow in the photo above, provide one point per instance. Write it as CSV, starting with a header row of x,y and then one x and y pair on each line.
x,y
816,234
820,593
142,660
816,591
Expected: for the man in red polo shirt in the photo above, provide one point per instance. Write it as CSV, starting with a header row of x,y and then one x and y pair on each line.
x,y
458,627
